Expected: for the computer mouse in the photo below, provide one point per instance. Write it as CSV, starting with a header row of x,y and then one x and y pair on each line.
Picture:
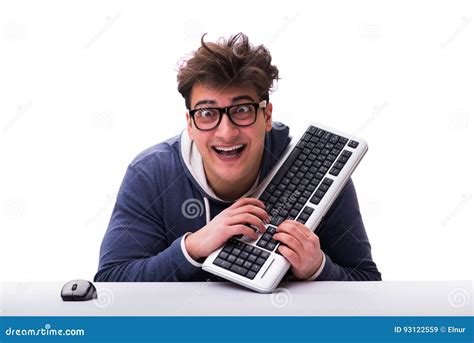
x,y
78,290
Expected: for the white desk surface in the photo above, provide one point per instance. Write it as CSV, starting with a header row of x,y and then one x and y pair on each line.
x,y
387,298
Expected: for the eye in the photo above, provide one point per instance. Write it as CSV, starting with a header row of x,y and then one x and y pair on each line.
x,y
243,109
206,113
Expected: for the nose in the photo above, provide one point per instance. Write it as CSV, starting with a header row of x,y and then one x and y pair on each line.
x,y
226,128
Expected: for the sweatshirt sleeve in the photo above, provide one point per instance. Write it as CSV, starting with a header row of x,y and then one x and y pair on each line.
x,y
135,246
345,243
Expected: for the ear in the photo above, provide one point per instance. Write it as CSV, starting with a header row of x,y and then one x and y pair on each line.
x,y
268,117
189,125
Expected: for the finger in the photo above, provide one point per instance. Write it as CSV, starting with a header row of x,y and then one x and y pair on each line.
x,y
248,201
290,255
244,230
290,241
252,209
246,218
293,228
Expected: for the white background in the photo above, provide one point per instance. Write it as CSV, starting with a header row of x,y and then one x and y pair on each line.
x,y
87,85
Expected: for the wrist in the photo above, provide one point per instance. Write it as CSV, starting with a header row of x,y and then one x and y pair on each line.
x,y
315,267
190,247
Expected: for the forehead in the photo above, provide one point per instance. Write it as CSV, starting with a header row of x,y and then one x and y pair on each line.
x,y
220,96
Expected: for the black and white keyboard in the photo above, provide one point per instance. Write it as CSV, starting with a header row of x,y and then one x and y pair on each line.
x,y
302,186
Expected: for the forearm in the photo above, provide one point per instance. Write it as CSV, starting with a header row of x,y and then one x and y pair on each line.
x,y
167,266
363,270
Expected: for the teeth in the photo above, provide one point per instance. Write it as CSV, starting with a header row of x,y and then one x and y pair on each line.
x,y
229,148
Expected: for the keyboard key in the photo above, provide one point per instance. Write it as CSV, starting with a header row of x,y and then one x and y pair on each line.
x,y
353,144
319,193
334,171
244,255
328,181
251,275
323,170
248,248
238,270
260,261
223,255
221,263
255,268
323,187
271,246
277,220
306,137
265,255
252,258
343,140
346,153
334,139
271,229
304,217
342,159
329,146
320,133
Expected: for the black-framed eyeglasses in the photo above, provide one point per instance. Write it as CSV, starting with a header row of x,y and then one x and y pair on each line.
x,y
208,118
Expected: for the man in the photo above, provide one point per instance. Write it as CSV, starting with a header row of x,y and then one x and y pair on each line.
x,y
183,198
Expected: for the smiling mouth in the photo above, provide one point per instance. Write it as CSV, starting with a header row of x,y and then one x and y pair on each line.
x,y
229,152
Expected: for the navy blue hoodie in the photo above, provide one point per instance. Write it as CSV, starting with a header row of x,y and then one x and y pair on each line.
x,y
160,200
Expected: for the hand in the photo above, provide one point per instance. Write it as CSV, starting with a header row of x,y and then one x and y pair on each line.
x,y
301,248
226,224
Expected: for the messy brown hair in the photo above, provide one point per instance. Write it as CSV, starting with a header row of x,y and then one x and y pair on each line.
x,y
228,63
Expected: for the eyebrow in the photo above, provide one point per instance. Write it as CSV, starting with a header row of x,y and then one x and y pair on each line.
x,y
234,99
